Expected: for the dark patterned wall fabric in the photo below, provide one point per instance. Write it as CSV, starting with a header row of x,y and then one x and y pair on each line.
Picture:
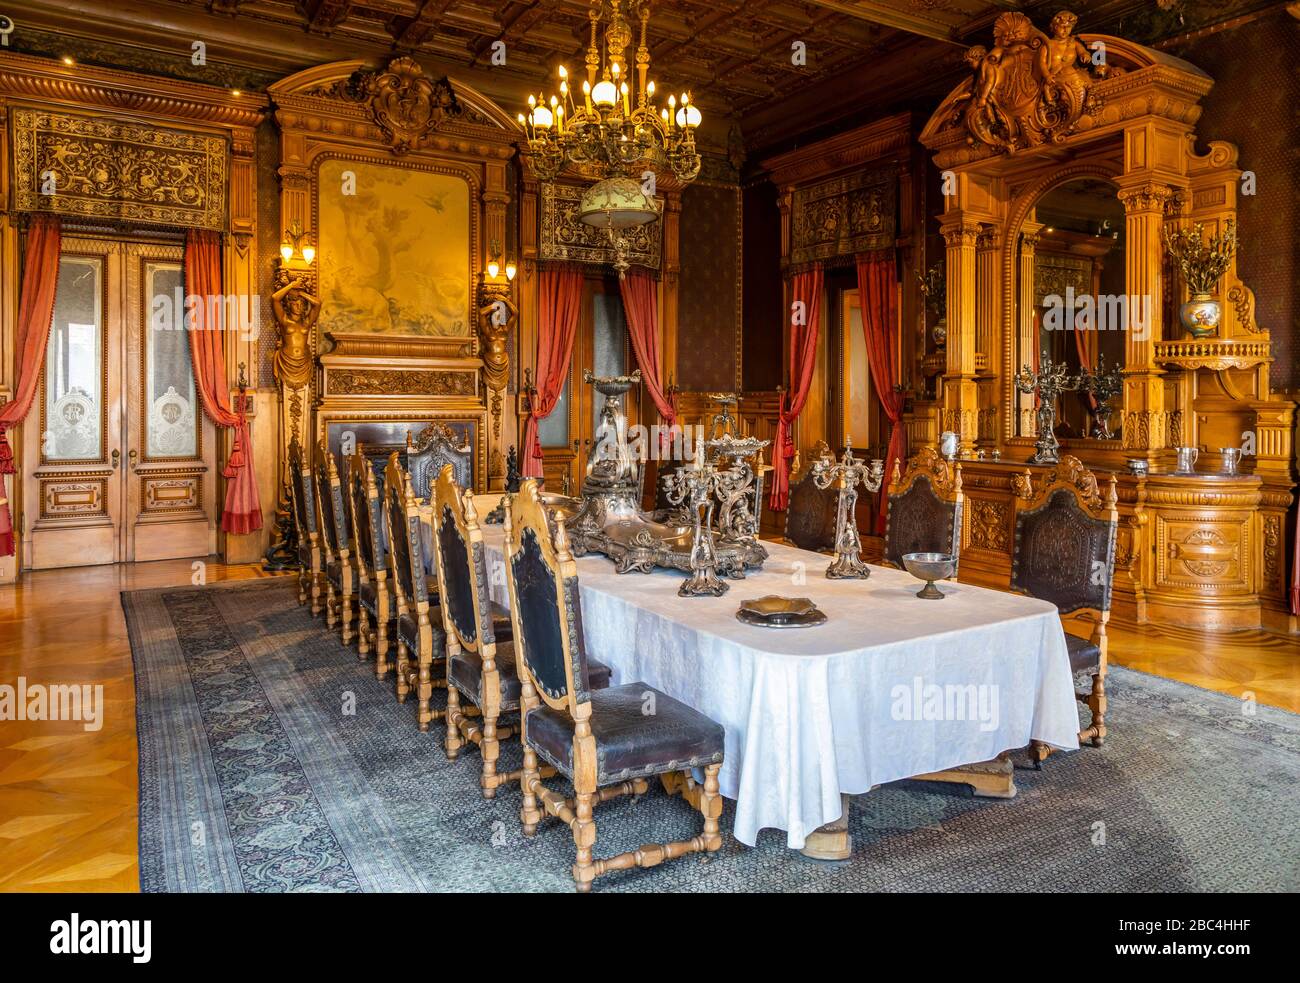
x,y
1253,104
709,311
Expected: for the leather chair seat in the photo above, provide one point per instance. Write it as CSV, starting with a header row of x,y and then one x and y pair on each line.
x,y
630,743
367,595
408,633
1083,653
334,571
466,672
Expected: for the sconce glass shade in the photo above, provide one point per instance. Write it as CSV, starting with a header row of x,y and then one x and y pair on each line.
x,y
617,203
286,251
493,269
309,254
510,271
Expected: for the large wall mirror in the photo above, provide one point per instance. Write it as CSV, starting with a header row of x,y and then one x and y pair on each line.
x,y
1075,309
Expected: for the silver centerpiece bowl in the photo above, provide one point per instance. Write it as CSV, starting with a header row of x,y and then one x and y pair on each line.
x,y
930,567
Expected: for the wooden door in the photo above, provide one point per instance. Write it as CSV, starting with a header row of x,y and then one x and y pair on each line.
x,y
603,348
170,473
118,458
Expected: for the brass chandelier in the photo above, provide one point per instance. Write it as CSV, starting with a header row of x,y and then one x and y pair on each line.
x,y
608,129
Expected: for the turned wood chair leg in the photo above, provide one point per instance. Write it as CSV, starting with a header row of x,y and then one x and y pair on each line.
x,y
403,682
302,587
584,836
529,778
490,749
381,648
454,717
363,632
424,692
331,608
1097,704
711,810
346,609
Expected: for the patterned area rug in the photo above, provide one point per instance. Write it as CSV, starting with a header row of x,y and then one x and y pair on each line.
x,y
272,760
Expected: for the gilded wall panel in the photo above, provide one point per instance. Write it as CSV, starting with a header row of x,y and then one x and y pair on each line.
x,y
101,168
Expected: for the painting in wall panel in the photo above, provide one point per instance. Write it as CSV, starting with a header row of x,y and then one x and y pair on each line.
x,y
395,256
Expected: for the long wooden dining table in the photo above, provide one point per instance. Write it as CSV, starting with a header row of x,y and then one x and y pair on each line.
x,y
891,687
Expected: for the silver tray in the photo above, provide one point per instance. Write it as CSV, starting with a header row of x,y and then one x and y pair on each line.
x,y
772,611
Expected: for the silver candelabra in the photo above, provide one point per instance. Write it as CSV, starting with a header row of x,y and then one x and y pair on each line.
x,y
697,488
847,473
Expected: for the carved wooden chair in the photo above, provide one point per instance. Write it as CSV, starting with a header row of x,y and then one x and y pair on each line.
x,y
426,453
420,641
304,518
480,649
810,512
608,742
1065,553
925,508
376,612
334,523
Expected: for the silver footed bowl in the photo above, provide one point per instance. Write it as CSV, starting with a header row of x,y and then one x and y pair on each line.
x,y
930,567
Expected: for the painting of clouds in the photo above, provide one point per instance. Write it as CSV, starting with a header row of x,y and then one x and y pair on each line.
x,y
393,257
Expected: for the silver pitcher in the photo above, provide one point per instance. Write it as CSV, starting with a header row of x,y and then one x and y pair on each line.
x,y
1231,458
1187,459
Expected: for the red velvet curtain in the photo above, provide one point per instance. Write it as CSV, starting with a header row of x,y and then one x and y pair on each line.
x,y
805,318
641,305
243,510
559,298
35,313
878,293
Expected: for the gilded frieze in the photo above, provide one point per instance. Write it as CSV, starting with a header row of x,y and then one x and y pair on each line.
x,y
114,169
843,216
564,237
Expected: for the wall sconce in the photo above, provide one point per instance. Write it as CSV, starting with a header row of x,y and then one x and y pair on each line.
x,y
296,242
494,263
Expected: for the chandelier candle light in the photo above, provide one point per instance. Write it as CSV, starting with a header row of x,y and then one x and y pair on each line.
x,y
611,132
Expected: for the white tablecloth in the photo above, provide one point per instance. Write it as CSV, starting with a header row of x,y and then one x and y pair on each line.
x,y
811,713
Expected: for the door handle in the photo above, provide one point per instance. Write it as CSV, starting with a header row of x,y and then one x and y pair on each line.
x,y
117,459
131,458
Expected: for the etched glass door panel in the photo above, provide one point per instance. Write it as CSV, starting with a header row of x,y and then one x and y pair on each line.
x,y
171,421
75,365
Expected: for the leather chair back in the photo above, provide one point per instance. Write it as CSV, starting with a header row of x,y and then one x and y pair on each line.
x,y
545,607
406,546
462,568
925,508
428,451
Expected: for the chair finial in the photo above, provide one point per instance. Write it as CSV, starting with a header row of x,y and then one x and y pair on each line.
x,y
561,540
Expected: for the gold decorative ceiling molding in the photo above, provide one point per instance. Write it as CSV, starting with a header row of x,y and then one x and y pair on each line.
x,y
101,168
45,80
884,138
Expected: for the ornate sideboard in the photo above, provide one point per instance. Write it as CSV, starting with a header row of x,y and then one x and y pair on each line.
x,y
1202,550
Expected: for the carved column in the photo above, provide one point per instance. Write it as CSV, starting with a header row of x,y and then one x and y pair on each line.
x,y
987,305
669,287
960,392
1026,328
1145,419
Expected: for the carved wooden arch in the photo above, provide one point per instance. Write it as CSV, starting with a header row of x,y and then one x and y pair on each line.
x,y
1021,205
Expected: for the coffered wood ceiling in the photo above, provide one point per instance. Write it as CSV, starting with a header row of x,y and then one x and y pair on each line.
x,y
735,55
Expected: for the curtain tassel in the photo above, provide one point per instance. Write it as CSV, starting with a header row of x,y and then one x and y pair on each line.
x,y
6,454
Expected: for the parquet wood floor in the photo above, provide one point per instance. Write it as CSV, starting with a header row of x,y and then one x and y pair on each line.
x,y
68,797
68,819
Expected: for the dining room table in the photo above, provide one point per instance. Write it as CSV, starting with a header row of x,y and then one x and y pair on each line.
x,y
891,686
